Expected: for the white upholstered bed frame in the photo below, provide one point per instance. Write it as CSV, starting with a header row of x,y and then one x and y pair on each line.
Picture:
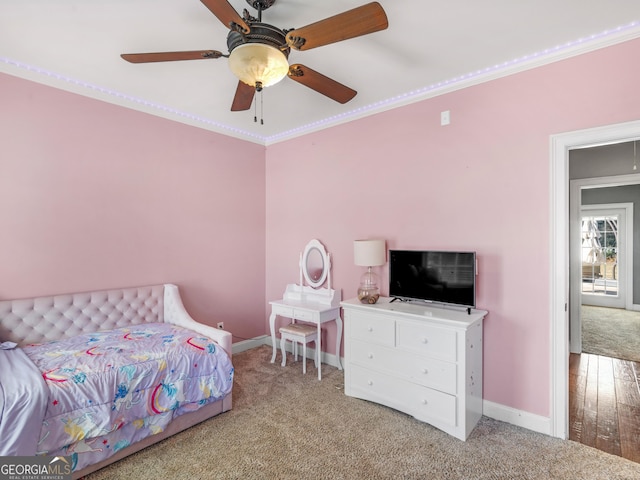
x,y
36,320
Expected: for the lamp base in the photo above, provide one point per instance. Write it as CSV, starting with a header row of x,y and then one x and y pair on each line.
x,y
369,294
369,291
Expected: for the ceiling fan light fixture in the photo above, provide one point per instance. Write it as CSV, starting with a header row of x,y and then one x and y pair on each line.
x,y
258,64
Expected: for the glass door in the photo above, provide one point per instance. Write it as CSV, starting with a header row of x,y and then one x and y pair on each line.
x,y
602,265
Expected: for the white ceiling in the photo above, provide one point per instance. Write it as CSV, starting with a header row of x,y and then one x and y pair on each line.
x,y
430,47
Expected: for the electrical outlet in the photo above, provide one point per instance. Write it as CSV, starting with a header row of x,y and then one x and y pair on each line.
x,y
221,325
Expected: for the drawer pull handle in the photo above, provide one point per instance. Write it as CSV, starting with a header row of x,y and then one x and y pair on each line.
x,y
425,371
424,402
370,329
425,340
369,382
370,355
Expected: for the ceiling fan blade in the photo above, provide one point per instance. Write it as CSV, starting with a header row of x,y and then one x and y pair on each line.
x,y
243,97
226,13
362,20
321,84
171,56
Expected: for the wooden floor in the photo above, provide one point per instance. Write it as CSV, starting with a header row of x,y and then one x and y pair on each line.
x,y
604,404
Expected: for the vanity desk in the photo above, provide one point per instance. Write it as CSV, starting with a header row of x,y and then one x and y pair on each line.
x,y
306,311
311,303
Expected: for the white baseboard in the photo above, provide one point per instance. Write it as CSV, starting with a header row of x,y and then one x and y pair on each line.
x,y
519,418
503,413
326,358
251,343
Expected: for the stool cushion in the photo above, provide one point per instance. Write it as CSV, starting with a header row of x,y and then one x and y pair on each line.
x,y
299,329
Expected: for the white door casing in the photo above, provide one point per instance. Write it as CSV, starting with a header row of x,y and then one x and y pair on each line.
x,y
560,145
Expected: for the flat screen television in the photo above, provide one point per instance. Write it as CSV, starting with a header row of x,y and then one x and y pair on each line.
x,y
433,276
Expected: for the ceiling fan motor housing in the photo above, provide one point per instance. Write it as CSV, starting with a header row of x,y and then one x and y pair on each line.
x,y
261,4
260,33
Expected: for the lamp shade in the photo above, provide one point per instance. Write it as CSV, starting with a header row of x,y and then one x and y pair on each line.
x,y
258,63
369,253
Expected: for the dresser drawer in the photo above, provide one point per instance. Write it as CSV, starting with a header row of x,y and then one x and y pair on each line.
x,y
304,315
372,355
378,329
422,402
436,342
282,310
415,368
429,372
292,312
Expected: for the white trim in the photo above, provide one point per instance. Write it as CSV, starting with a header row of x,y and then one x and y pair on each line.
x,y
559,256
326,358
625,255
596,41
520,418
469,79
575,202
612,181
250,343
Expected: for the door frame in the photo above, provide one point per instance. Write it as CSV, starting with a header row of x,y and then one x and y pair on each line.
x,y
624,257
625,254
560,145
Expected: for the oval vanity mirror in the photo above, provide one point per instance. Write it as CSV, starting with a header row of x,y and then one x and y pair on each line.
x,y
315,264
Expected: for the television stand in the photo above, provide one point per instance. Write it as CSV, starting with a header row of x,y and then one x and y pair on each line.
x,y
416,358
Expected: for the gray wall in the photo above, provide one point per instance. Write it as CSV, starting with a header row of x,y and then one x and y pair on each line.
x,y
608,161
603,161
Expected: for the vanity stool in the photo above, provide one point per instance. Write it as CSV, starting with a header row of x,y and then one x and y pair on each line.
x,y
299,333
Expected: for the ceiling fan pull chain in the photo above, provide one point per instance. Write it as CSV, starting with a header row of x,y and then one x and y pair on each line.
x,y
255,109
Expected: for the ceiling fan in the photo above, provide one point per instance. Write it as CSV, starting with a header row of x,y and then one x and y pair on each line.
x,y
258,52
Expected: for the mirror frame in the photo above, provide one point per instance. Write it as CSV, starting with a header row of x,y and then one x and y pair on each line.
x,y
326,263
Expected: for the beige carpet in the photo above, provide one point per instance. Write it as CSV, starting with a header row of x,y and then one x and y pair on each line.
x,y
288,426
612,332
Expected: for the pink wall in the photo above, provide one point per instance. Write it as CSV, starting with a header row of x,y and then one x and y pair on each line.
x,y
481,183
95,196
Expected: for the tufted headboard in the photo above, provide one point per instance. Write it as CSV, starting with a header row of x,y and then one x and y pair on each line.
x,y
41,319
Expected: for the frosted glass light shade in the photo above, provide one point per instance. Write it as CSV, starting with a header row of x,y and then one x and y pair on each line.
x,y
256,62
369,253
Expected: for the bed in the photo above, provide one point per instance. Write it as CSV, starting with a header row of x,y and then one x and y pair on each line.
x,y
99,375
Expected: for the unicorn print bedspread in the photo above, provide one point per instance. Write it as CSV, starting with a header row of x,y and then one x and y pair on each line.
x,y
110,389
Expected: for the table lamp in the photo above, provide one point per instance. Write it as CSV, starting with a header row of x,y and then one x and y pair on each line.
x,y
369,253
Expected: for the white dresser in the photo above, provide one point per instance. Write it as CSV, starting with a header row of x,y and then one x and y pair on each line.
x,y
424,361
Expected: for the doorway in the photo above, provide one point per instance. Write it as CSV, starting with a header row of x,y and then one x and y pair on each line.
x,y
603,386
601,249
559,257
